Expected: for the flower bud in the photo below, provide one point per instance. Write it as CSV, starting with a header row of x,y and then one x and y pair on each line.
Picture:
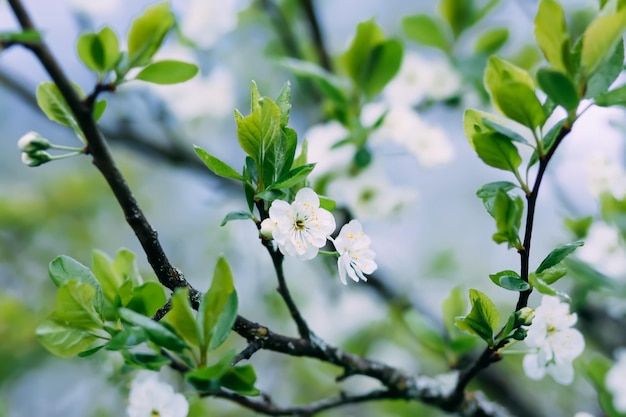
x,y
524,316
31,142
35,158
520,334
267,228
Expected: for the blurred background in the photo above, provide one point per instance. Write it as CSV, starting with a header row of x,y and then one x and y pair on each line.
x,y
416,200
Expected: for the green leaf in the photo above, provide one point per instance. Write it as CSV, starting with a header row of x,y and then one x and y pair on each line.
x,y
507,211
52,103
237,215
155,331
168,72
356,58
600,39
496,150
596,371
606,73
509,280
425,30
541,286
91,51
102,267
559,88
557,255
217,166
258,131
147,298
63,340
225,322
496,126
488,193
453,306
63,268
110,48
147,33
240,379
383,64
283,101
552,274
547,141
98,109
126,267
294,177
519,102
331,86
425,332
216,306
150,361
459,14
75,305
483,318
491,41
327,203
615,97
181,317
207,378
552,35
127,338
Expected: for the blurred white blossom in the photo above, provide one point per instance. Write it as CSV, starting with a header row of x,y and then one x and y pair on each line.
x,y
615,382
205,21
150,397
556,344
355,256
603,250
402,125
583,414
95,8
320,140
302,227
420,78
605,176
369,195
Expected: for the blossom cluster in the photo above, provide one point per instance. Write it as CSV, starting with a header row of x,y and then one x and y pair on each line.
x,y
150,397
555,343
301,228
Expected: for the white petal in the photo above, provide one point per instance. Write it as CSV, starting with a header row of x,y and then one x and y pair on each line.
x,y
533,367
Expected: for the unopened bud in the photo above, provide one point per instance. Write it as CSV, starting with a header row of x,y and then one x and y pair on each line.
x,y
524,316
36,158
267,227
31,142
520,334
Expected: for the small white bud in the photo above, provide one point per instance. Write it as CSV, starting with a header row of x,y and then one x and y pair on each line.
x,y
267,228
36,158
32,141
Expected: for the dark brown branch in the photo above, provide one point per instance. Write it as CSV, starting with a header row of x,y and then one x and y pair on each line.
x,y
316,34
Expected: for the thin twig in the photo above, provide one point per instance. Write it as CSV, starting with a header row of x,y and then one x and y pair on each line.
x,y
316,34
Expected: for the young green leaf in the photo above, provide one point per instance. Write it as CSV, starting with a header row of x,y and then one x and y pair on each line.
x,y
496,150
182,318
509,280
383,64
110,48
155,331
552,35
217,166
358,55
489,191
147,298
168,72
453,306
482,319
559,88
331,86
600,39
126,267
507,211
98,109
327,203
126,338
258,131
615,97
64,340
519,102
425,30
553,274
491,41
216,306
557,255
91,51
147,33
52,103
63,268
224,325
606,73
237,215
459,14
102,267
75,305
240,379
283,101
207,377
541,286
294,177
150,361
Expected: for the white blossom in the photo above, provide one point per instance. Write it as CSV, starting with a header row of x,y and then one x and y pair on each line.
x,y
32,141
603,250
614,382
95,9
369,195
420,78
605,176
320,141
402,125
355,256
583,414
556,344
150,397
302,227
205,21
